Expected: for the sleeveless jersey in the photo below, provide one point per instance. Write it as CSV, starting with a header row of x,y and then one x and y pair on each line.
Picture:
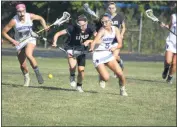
x,y
23,30
117,20
76,37
106,40
173,26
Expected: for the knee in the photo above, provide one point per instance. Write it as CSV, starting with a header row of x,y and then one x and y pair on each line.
x,y
23,65
168,62
80,72
29,56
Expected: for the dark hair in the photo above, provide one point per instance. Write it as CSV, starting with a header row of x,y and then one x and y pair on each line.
x,y
17,3
111,3
107,15
82,18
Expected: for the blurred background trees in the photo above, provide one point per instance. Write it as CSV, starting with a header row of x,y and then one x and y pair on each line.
x,y
152,36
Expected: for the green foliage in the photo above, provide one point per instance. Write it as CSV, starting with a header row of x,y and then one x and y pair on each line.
x,y
153,37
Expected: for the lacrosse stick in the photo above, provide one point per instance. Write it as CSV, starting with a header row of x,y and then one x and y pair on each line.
x,y
74,53
64,18
150,15
24,42
89,11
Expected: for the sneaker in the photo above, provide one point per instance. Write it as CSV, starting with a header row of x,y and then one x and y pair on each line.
x,y
121,63
115,76
72,81
79,88
39,76
169,79
164,74
123,91
26,80
102,84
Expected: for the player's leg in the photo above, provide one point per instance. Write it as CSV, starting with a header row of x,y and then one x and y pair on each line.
x,y
29,53
23,66
81,66
114,66
117,56
172,69
72,62
167,63
101,69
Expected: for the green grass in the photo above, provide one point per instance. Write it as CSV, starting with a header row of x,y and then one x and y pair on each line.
x,y
151,101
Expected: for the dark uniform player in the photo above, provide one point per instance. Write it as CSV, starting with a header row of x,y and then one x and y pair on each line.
x,y
117,20
78,34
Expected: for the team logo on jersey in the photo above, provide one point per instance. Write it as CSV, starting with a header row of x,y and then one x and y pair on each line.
x,y
108,39
24,28
82,37
115,22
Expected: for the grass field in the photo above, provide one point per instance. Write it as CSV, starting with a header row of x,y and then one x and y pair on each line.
x,y
151,102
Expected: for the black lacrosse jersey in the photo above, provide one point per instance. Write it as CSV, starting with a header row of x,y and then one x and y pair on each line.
x,y
118,20
76,37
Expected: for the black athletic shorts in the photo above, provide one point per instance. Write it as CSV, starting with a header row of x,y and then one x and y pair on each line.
x,y
81,60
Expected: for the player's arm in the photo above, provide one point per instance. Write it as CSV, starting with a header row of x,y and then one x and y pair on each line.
x,y
166,25
97,39
6,29
123,29
57,35
39,18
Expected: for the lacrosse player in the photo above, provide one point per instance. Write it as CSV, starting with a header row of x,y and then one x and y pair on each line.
x,y
170,54
103,51
78,33
118,21
22,23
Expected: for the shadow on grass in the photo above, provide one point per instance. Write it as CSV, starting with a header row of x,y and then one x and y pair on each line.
x,y
46,87
147,80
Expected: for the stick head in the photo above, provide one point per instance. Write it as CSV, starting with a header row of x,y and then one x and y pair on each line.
x,y
150,15
64,18
89,11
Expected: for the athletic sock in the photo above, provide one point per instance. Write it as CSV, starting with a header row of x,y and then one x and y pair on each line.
x,y
79,84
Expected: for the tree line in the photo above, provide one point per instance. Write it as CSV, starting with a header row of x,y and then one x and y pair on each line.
x,y
153,37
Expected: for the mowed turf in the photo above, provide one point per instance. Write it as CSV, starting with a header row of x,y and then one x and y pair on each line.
x,y
151,101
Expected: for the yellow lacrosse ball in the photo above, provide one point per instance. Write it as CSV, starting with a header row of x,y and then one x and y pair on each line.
x,y
50,76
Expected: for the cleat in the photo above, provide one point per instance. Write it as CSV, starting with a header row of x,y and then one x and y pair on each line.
x,y
123,91
79,88
102,84
115,76
72,81
170,79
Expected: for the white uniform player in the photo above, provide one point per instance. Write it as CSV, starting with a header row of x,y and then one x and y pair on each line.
x,y
23,41
102,54
23,31
171,39
170,54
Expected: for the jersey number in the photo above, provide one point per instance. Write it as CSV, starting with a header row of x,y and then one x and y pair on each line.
x,y
107,45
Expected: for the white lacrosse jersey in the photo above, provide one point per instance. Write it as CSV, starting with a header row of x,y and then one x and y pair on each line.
x,y
173,26
106,40
22,30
